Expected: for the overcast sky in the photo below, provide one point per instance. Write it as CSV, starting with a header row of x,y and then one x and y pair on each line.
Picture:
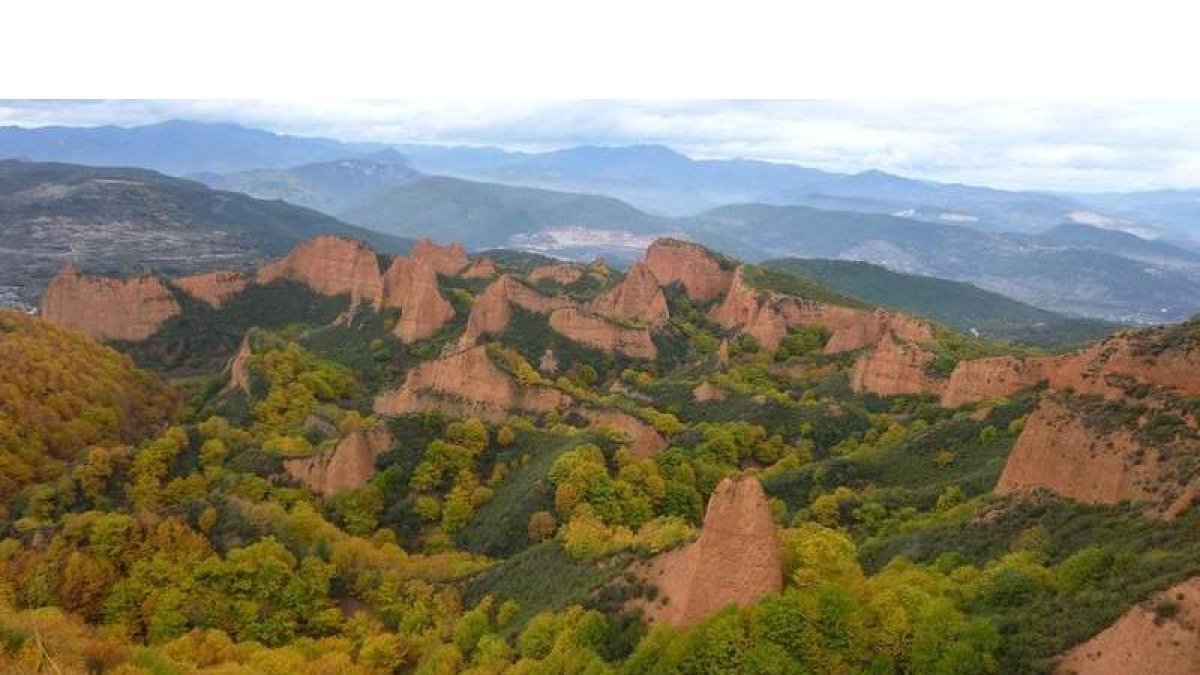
x,y
1047,145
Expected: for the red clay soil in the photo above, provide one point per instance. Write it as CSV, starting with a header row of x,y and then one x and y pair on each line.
x,y
735,561
1144,641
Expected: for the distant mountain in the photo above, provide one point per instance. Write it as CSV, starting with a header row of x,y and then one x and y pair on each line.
x,y
175,147
326,186
957,304
1177,211
489,215
659,179
129,220
1127,245
1037,270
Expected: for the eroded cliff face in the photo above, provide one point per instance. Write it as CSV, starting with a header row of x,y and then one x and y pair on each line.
x,y
446,260
560,273
603,334
491,311
108,309
467,383
736,560
412,286
700,273
349,465
331,266
213,288
637,297
643,440
768,316
707,391
991,377
239,368
1057,450
480,269
894,367
1143,642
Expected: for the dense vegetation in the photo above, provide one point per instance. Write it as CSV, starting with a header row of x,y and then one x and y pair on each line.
x,y
141,536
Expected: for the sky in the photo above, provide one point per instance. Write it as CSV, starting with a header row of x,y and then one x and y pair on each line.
x,y
1047,145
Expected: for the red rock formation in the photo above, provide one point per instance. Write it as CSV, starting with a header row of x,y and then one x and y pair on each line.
x,y
480,269
349,465
894,367
491,312
108,309
693,266
707,391
331,266
1142,642
767,316
239,368
603,334
467,383
638,296
985,378
735,561
412,286
214,288
644,441
561,273
445,260
1058,451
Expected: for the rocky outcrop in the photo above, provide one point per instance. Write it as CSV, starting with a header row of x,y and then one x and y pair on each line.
x,y
412,286
239,368
108,309
637,297
492,309
768,316
445,260
481,268
603,334
1146,640
707,391
559,273
331,266
1058,450
701,274
213,288
735,561
467,383
643,440
894,367
349,465
992,377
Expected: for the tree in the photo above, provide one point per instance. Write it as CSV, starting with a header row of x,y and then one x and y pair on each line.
x,y
541,526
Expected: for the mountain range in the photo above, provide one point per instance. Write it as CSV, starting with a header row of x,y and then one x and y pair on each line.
x,y
1118,257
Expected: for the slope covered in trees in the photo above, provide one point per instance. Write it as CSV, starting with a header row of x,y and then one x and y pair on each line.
x,y
509,512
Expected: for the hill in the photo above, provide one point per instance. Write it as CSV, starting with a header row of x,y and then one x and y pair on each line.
x,y
485,215
176,147
325,186
113,220
958,304
1048,274
788,478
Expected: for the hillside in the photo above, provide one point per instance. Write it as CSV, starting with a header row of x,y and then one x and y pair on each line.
x,y
177,147
324,186
958,304
116,221
1038,271
427,463
488,215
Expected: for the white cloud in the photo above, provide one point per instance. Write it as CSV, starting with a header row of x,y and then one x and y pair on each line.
x,y
1029,145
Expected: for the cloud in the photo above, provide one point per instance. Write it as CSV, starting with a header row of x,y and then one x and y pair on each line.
x,y
1027,145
